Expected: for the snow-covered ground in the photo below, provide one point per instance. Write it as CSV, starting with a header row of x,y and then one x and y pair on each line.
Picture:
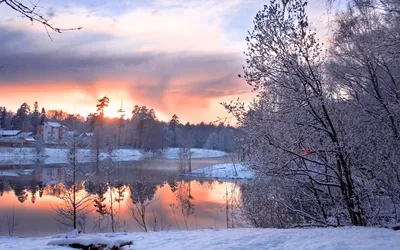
x,y
61,155
126,155
173,153
223,171
17,152
25,156
243,238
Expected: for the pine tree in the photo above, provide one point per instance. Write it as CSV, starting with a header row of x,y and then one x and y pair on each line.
x,y
42,117
35,117
19,121
173,125
3,115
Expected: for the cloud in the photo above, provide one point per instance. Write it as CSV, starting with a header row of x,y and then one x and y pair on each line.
x,y
175,56
171,82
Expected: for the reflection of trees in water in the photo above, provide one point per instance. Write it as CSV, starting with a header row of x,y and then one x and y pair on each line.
x,y
74,208
142,184
2,188
33,188
20,192
100,191
101,224
184,197
41,188
173,184
142,193
120,190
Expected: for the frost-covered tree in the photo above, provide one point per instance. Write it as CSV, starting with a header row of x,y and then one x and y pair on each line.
x,y
365,71
324,130
293,131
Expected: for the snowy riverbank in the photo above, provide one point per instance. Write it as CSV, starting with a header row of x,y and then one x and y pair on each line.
x,y
243,238
223,171
61,155
26,156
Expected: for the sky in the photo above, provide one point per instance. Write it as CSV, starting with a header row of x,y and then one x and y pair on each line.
x,y
176,56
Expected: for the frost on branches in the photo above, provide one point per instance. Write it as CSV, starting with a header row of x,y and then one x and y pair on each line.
x,y
323,134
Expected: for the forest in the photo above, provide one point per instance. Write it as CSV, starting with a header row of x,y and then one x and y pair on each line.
x,y
142,130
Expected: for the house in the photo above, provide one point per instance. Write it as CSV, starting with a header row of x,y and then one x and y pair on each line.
x,y
85,139
16,138
52,132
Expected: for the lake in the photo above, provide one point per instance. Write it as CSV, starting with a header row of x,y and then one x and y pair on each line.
x,y
149,194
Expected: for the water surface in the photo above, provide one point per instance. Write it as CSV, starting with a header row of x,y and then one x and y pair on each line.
x,y
30,199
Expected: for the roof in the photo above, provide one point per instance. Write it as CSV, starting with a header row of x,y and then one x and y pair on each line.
x,y
54,124
19,138
30,139
9,132
24,134
84,134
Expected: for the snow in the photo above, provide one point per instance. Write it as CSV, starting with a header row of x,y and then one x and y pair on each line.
x,y
17,152
16,173
223,171
9,132
240,238
61,155
173,153
25,156
54,124
126,155
95,241
9,173
73,234
87,155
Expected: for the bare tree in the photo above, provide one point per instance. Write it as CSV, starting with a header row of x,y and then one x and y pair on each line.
x,y
32,13
73,210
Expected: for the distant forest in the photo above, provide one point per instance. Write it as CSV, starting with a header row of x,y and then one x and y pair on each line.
x,y
140,128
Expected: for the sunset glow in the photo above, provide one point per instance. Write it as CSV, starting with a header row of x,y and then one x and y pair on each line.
x,y
177,57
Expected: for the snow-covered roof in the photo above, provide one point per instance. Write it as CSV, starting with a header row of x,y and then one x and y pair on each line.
x,y
54,124
86,134
19,138
25,134
9,132
31,139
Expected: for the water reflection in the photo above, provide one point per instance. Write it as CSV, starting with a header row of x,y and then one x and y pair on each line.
x,y
134,198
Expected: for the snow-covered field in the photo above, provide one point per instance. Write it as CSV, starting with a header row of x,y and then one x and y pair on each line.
x,y
25,156
223,171
244,238
61,155
173,153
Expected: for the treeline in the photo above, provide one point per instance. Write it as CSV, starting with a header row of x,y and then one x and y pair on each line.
x,y
144,130
141,130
